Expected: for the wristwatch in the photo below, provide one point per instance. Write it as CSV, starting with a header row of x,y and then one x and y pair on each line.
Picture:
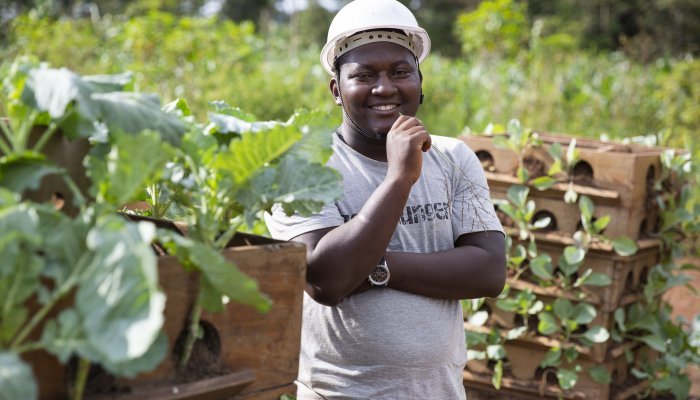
x,y
380,274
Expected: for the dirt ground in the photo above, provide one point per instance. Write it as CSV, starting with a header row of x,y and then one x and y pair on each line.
x,y
687,304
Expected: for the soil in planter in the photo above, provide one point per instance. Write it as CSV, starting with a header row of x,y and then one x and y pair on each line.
x,y
205,361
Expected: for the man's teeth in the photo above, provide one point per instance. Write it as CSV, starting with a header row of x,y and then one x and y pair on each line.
x,y
384,107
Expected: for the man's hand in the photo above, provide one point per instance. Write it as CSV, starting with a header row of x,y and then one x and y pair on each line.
x,y
405,143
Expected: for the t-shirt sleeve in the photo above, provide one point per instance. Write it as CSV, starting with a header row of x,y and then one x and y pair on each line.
x,y
472,207
284,227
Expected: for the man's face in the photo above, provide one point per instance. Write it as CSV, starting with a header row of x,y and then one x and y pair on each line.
x,y
378,81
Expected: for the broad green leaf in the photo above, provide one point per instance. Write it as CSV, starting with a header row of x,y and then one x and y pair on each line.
x,y
221,107
655,342
567,268
118,298
563,309
554,150
178,107
522,174
597,279
571,154
639,374
542,222
619,316
516,333
20,172
132,162
475,355
21,265
548,324
583,313
679,386
109,83
220,274
600,374
597,334
254,150
495,352
624,246
585,204
497,375
475,338
552,358
147,362
317,130
53,90
517,194
64,336
601,223
16,378
8,198
508,304
542,266
543,182
570,195
567,378
574,255
479,318
137,112
556,167
234,120
295,183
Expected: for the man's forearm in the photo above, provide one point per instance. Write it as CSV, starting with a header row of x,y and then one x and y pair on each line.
x,y
345,256
464,272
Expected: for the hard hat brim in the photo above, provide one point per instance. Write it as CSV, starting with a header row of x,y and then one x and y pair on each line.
x,y
328,52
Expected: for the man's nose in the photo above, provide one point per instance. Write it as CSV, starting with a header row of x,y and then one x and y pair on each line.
x,y
384,86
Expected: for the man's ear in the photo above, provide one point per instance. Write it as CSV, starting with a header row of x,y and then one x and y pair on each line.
x,y
333,86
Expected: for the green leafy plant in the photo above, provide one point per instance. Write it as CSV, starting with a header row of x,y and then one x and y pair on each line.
x,y
224,176
547,294
99,259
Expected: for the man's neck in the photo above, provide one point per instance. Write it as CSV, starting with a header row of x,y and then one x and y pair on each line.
x,y
370,148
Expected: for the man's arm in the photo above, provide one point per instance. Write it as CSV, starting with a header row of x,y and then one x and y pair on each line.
x,y
474,268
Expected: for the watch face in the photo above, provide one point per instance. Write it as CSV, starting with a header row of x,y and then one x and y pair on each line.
x,y
380,275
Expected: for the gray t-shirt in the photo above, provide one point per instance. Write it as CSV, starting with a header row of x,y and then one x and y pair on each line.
x,y
384,343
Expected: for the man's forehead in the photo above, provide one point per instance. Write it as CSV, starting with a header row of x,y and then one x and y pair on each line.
x,y
384,52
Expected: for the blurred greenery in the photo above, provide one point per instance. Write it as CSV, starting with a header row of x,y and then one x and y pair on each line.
x,y
534,61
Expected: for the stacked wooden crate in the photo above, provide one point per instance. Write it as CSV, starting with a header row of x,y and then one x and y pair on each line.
x,y
619,180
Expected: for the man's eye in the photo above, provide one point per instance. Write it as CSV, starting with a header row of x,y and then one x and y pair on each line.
x,y
401,72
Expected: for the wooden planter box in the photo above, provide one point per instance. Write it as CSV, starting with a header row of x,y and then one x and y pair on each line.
x,y
618,178
258,353
523,378
635,222
628,273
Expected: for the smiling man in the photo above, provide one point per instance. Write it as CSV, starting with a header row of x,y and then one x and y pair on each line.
x,y
414,233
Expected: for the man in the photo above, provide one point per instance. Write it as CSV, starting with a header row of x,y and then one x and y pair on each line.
x,y
414,232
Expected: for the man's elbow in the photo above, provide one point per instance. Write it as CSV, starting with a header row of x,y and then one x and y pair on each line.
x,y
496,280
323,297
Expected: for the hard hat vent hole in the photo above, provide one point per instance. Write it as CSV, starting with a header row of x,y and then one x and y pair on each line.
x,y
379,36
371,36
388,36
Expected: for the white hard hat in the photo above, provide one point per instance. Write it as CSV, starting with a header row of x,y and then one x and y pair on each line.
x,y
373,15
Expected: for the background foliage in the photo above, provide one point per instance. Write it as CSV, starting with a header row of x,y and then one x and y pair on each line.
x,y
623,70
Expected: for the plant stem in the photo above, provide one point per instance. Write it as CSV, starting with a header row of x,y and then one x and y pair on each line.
x,y
29,347
225,237
80,379
45,137
77,194
39,316
191,337
5,144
